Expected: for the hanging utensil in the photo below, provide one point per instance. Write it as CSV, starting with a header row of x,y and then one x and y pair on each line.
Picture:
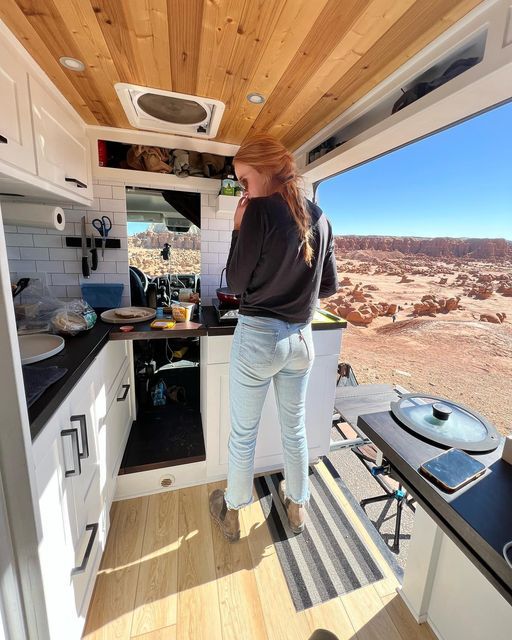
x,y
94,255
103,227
85,254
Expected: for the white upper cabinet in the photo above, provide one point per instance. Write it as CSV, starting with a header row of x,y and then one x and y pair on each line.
x,y
60,142
16,142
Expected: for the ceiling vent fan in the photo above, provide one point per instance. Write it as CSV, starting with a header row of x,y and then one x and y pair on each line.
x,y
169,112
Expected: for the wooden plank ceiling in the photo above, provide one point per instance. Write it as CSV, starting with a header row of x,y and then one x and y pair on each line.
x,y
310,59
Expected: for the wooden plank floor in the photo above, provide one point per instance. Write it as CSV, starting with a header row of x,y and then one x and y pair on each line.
x,y
168,574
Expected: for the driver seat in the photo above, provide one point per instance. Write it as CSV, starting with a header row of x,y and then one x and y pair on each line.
x,y
138,295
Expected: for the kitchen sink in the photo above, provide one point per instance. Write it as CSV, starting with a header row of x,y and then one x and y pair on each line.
x,y
39,346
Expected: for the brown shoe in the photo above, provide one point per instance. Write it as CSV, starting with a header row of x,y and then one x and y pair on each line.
x,y
227,519
296,512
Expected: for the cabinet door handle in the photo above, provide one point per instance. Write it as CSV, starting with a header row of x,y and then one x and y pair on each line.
x,y
3,140
81,419
79,184
126,388
82,567
77,470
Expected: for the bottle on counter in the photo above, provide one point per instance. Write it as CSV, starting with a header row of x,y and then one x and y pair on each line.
x,y
238,189
228,185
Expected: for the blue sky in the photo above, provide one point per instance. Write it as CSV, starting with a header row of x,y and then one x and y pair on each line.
x,y
457,183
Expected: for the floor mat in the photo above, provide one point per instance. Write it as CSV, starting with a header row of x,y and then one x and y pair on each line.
x,y
329,558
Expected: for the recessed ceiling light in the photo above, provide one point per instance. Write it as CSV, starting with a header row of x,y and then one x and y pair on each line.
x,y
72,63
256,98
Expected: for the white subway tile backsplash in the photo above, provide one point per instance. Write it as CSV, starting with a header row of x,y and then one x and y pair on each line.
x,y
73,291
221,225
31,253
110,205
225,236
73,266
27,229
47,241
207,235
64,254
13,253
51,266
10,228
118,231
94,277
220,247
19,240
57,291
227,215
22,265
208,258
103,191
65,278
119,193
209,280
109,267
118,217
212,200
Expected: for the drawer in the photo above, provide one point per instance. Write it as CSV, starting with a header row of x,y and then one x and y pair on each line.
x,y
116,427
114,356
131,485
89,543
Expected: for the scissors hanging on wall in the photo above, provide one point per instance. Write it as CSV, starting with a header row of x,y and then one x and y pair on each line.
x,y
103,227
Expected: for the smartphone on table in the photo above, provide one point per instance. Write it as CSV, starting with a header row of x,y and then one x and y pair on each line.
x,y
452,469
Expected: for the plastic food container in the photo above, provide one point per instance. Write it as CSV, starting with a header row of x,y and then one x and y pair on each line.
x,y
182,312
102,295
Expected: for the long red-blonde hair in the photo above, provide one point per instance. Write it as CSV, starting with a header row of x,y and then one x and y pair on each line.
x,y
270,157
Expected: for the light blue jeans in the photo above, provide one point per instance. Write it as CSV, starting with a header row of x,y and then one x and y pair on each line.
x,y
266,349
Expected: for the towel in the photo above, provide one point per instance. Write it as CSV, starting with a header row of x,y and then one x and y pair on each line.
x,y
38,379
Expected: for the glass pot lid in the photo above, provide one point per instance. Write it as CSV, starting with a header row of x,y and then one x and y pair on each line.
x,y
445,422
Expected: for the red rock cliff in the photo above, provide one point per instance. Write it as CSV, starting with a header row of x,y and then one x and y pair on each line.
x,y
477,248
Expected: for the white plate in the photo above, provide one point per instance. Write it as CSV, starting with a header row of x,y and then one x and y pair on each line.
x,y
39,346
110,316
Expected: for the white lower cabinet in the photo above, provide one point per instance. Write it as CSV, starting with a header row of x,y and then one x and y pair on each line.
x,y
269,455
75,456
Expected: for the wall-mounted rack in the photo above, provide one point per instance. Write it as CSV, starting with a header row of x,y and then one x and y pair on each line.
x,y
110,243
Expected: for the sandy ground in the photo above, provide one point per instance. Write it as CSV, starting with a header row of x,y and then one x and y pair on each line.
x,y
151,262
453,355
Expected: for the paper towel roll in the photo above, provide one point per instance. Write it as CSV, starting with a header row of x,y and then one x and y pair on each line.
x,y
33,215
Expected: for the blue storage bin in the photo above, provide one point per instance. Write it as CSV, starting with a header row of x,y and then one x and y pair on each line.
x,y
102,295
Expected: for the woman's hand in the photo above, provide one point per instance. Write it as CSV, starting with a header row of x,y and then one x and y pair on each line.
x,y
240,210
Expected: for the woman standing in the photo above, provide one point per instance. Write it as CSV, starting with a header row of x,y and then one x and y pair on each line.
x,y
281,261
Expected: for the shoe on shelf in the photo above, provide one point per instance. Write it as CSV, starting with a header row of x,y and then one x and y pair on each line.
x,y
296,512
227,519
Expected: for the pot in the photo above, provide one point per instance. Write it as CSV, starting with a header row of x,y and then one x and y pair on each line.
x,y
226,296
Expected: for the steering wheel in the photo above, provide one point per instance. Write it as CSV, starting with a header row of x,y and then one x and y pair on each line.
x,y
144,280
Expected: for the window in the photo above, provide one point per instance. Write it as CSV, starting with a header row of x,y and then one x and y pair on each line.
x,y
424,250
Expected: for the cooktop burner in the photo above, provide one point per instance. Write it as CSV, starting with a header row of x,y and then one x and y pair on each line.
x,y
225,315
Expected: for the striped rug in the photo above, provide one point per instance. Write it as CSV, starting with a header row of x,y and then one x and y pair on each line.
x,y
329,558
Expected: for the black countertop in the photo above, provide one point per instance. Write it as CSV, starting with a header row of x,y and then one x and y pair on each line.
x,y
478,517
208,317
77,355
81,350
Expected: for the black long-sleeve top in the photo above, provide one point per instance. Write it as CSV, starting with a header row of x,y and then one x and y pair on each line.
x,y
266,264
